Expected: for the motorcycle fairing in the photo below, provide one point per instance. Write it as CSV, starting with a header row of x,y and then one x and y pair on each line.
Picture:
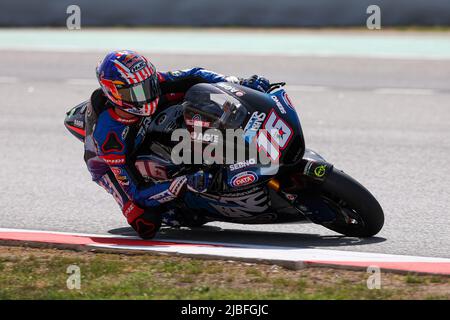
x,y
238,206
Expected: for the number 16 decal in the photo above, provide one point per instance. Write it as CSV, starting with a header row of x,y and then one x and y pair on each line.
x,y
275,135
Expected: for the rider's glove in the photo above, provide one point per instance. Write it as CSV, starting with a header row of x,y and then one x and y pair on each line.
x,y
256,82
232,79
199,181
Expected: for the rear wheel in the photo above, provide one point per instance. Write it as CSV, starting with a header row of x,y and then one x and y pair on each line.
x,y
358,213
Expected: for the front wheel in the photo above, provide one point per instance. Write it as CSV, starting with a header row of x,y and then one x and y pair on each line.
x,y
358,213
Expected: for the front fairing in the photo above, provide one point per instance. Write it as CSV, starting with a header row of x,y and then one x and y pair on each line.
x,y
258,116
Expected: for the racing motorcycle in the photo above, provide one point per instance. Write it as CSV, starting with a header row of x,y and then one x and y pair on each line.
x,y
301,187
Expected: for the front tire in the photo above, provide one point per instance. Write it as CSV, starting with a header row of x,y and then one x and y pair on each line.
x,y
358,212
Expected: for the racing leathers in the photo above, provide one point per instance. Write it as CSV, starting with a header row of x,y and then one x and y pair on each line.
x,y
111,142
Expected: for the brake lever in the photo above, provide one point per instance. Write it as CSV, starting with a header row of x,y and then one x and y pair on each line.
x,y
275,85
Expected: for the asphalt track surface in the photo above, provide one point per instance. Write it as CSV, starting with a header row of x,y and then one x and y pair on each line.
x,y
386,122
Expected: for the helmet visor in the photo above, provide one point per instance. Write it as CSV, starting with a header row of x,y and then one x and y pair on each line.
x,y
142,92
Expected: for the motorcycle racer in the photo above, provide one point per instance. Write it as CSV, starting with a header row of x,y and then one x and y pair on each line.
x,y
117,117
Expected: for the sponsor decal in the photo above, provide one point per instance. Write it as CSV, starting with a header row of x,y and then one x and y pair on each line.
x,y
244,206
116,171
123,181
122,120
264,143
121,178
275,137
243,179
255,121
253,125
113,159
231,89
197,121
141,133
315,169
125,133
78,123
242,164
130,59
143,128
279,104
146,121
320,171
131,211
138,66
278,129
234,194
205,137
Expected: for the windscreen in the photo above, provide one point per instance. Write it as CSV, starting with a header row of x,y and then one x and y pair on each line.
x,y
211,107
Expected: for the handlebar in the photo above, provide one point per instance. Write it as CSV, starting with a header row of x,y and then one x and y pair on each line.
x,y
275,85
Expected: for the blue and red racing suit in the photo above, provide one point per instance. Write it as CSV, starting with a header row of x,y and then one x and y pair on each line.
x,y
111,142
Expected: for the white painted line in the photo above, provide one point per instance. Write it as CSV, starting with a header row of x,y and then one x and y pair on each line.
x,y
82,82
8,79
277,253
404,91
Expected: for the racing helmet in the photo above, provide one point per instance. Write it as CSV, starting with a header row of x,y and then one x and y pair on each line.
x,y
130,82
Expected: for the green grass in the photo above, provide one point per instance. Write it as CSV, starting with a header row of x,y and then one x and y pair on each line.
x,y
414,279
41,274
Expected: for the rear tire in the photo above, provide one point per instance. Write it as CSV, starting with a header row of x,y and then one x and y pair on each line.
x,y
358,212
